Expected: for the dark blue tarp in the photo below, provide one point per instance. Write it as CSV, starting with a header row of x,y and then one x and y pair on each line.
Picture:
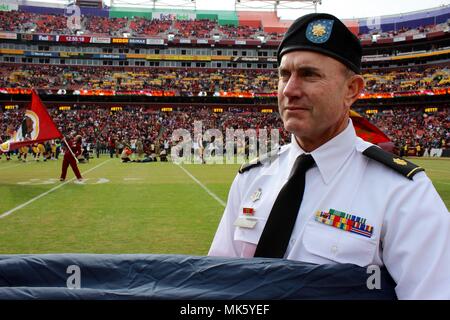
x,y
168,277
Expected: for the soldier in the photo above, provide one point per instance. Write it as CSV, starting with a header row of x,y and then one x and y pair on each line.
x,y
329,196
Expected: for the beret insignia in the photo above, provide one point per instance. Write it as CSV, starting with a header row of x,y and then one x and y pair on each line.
x,y
319,31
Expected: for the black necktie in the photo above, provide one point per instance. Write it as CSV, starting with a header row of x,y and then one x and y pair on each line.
x,y
278,229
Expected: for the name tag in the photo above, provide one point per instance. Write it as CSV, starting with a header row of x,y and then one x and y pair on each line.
x,y
245,222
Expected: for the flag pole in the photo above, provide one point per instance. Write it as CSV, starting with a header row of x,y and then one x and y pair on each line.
x,y
70,149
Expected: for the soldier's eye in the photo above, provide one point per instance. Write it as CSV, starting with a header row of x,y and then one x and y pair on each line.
x,y
284,74
308,73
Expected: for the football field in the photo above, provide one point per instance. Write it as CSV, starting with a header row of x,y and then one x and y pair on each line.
x,y
124,207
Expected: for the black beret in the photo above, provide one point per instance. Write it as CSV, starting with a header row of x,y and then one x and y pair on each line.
x,y
326,34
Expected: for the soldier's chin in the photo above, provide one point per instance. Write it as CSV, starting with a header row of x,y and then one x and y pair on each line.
x,y
294,125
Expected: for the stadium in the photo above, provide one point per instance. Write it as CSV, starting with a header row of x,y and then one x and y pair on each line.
x,y
153,91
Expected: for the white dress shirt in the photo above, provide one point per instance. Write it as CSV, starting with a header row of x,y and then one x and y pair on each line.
x,y
411,224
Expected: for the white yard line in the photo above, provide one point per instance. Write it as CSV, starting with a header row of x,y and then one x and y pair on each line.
x,y
7,213
212,194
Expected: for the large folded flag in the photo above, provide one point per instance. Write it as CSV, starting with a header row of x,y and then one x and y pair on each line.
x,y
37,126
367,131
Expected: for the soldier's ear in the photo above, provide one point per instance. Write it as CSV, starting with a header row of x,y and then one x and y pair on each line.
x,y
355,85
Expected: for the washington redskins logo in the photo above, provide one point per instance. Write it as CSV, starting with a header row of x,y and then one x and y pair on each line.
x,y
28,130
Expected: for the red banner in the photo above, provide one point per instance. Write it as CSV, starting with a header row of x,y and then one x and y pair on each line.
x,y
36,127
367,131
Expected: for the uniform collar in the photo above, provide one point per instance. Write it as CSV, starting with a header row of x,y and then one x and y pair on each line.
x,y
330,156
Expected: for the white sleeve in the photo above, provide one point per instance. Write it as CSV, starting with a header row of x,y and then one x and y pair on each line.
x,y
416,241
223,243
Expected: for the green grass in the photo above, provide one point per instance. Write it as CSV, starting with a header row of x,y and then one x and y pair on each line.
x,y
438,169
143,208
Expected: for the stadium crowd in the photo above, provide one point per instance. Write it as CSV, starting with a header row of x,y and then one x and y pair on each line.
x,y
188,82
406,79
105,129
182,81
110,132
414,128
405,31
24,22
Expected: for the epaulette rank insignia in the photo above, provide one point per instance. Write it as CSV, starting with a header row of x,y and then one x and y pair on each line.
x,y
247,166
270,156
404,167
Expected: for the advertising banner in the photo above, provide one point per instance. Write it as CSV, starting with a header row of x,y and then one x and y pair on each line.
x,y
8,35
137,41
100,40
155,41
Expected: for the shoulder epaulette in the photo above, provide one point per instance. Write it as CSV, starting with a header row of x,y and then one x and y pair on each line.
x,y
247,166
267,157
402,166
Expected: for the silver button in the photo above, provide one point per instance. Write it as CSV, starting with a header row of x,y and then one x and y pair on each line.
x,y
334,249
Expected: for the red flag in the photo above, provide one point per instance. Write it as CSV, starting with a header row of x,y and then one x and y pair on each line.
x,y
36,127
367,131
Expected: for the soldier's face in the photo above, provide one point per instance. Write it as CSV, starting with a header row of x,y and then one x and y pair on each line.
x,y
312,97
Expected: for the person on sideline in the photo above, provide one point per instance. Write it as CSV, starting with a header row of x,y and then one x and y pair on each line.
x,y
69,159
